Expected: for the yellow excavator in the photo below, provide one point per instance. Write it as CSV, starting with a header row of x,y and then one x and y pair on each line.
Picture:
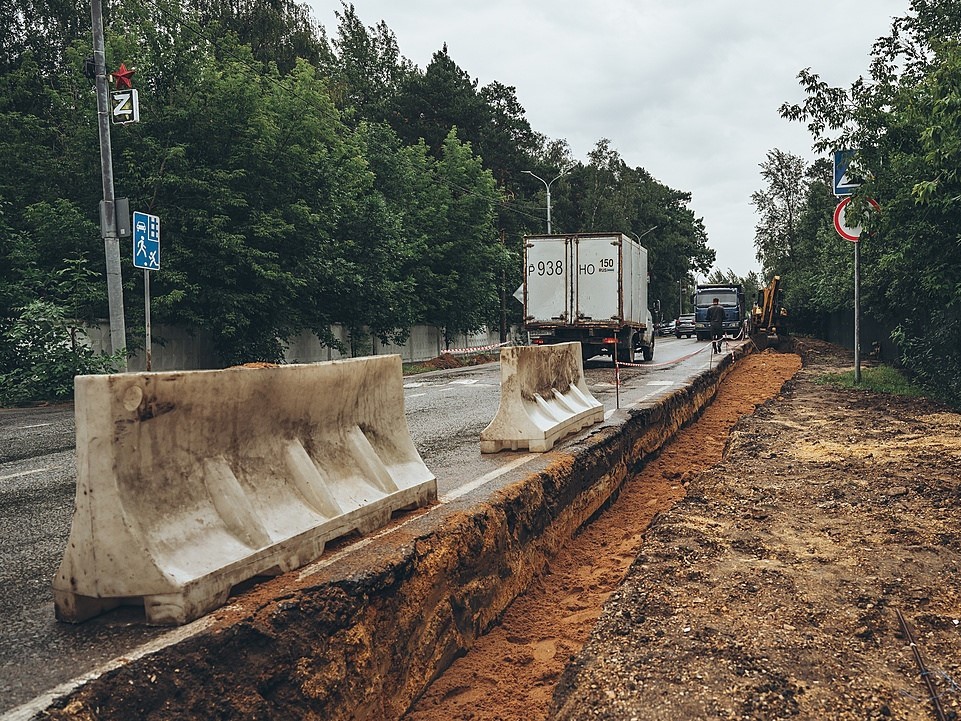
x,y
769,326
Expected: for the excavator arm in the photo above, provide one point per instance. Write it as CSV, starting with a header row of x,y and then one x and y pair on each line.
x,y
769,303
767,316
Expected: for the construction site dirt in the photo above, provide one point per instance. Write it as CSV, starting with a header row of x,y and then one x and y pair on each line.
x,y
754,568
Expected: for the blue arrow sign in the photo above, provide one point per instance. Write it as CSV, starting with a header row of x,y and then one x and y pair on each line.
x,y
844,184
146,241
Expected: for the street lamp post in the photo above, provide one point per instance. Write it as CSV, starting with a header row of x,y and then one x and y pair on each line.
x,y
118,332
638,237
547,185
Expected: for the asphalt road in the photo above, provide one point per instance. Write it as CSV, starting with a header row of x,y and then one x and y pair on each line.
x,y
446,411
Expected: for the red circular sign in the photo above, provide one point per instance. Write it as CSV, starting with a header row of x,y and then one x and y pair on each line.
x,y
849,232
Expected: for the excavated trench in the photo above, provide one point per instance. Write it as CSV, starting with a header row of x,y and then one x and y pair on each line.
x,y
365,637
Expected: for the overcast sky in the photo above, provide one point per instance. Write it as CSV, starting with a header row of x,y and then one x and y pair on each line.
x,y
687,89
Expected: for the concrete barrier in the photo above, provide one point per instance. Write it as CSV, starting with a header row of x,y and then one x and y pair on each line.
x,y
190,483
543,398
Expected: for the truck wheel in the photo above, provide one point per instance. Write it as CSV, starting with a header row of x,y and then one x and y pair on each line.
x,y
649,351
625,353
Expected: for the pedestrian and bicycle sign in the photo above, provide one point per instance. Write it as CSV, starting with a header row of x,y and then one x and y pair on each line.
x,y
146,241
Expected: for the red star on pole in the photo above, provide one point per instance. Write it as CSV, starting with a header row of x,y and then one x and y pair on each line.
x,y
122,77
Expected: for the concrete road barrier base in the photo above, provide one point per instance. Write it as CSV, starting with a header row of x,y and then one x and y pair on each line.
x,y
543,398
190,483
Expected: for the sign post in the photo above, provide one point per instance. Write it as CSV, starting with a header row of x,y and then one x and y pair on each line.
x,y
111,243
852,231
146,255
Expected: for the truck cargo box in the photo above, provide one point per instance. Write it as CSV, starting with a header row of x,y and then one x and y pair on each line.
x,y
591,279
590,288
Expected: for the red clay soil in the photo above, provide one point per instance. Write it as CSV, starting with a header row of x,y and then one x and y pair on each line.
x,y
510,674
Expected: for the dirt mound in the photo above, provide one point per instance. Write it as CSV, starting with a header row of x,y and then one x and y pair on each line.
x,y
510,674
446,361
772,590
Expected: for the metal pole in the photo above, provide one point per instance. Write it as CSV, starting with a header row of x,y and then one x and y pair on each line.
x,y
923,669
111,243
146,312
617,377
547,185
857,312
549,206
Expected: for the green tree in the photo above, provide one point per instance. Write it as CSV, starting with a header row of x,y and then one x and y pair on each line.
x,y
366,70
430,104
466,258
903,121
779,206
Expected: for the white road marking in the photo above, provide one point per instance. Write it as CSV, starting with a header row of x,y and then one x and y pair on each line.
x,y
660,383
24,473
30,709
486,478
465,382
413,385
36,425
415,395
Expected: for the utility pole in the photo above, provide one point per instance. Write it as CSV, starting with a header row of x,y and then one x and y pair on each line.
x,y
108,211
547,185
857,313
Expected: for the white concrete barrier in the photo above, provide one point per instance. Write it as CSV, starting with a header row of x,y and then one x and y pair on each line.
x,y
190,483
543,398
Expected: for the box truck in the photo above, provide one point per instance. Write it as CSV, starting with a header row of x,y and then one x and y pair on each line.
x,y
592,288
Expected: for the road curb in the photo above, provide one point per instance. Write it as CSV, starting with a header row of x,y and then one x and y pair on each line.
x,y
364,636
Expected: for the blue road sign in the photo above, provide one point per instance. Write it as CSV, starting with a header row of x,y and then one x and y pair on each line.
x,y
146,241
844,184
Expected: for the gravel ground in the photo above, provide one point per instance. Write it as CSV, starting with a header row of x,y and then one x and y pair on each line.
x,y
510,673
773,588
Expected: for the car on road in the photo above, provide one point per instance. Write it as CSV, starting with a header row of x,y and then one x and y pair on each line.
x,y
684,326
666,328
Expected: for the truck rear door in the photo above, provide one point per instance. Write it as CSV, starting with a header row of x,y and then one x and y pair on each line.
x,y
547,280
598,271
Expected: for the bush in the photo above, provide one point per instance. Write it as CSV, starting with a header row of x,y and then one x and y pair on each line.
x,y
880,379
41,352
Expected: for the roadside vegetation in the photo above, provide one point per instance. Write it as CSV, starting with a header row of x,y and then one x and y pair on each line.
x,y
904,118
880,379
307,177
303,178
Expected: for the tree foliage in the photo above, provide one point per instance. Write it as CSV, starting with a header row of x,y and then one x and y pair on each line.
x,y
905,120
303,180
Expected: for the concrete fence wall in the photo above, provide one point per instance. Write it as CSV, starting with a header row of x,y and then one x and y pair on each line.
x,y
176,348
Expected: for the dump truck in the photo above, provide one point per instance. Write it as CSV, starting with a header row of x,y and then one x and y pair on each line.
x,y
730,296
769,317
588,287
